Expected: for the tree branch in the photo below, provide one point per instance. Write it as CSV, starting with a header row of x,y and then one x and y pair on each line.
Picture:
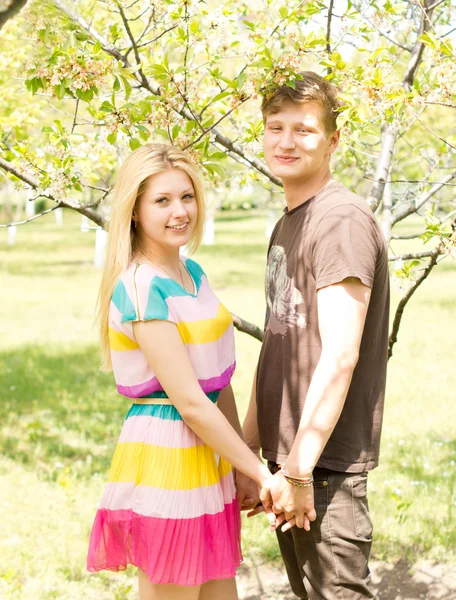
x,y
247,327
66,203
45,212
435,134
424,198
413,236
404,300
415,256
447,104
219,138
390,132
11,11
328,31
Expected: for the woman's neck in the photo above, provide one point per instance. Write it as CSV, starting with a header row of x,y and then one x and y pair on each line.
x,y
157,255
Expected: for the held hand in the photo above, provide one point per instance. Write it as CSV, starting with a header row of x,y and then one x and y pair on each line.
x,y
296,503
247,492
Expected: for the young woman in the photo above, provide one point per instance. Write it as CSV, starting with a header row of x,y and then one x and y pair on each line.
x,y
169,506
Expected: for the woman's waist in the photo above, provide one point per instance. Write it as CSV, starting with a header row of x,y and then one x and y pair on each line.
x,y
161,398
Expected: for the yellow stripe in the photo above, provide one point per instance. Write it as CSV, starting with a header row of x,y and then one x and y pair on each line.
x,y
120,342
166,468
206,330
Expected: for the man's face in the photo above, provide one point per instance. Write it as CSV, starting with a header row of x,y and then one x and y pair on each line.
x,y
296,143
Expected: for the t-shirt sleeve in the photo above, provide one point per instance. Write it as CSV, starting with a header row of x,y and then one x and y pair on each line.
x,y
345,244
145,297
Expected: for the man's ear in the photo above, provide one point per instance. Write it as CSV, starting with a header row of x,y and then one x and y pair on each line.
x,y
334,141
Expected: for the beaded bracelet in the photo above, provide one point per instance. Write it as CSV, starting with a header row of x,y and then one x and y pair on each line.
x,y
297,481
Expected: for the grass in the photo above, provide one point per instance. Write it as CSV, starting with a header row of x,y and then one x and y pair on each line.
x,y
60,416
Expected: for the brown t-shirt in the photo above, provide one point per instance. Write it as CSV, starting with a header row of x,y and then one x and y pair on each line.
x,y
328,238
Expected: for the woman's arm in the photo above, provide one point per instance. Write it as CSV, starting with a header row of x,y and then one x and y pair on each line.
x,y
166,354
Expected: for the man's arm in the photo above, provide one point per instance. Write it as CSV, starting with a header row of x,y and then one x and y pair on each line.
x,y
227,406
247,490
342,310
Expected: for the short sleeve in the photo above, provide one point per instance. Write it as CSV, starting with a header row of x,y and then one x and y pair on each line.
x,y
143,296
345,244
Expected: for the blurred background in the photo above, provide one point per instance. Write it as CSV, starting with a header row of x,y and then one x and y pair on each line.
x,y
83,83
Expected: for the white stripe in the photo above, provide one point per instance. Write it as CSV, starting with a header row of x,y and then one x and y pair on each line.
x,y
169,504
158,432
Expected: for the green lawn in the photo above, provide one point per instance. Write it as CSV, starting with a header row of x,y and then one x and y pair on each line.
x,y
60,416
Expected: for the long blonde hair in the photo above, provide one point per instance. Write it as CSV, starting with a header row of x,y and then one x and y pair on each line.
x,y
123,240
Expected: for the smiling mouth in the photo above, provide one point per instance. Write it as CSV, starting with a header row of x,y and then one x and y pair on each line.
x,y
286,159
177,227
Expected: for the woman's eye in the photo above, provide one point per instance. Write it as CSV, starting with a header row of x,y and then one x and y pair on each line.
x,y
162,200
189,197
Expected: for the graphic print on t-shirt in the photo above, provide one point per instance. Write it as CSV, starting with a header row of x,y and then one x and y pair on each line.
x,y
282,296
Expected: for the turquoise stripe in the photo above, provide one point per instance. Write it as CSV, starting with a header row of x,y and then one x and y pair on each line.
x,y
162,411
122,302
195,271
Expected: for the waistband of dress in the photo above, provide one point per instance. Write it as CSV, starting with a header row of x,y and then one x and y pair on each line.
x,y
162,399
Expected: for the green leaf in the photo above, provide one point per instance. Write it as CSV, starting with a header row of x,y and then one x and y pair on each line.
x,y
85,95
59,91
134,143
97,47
106,107
112,137
220,96
214,167
116,84
143,132
283,12
175,131
127,87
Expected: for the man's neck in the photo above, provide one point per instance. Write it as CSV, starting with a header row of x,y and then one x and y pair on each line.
x,y
298,191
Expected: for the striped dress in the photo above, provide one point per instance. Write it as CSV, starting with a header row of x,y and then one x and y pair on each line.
x,y
169,506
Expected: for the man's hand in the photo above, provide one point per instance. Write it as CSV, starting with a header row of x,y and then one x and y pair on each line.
x,y
290,502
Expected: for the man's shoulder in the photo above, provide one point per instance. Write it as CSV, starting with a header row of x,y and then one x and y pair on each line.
x,y
337,196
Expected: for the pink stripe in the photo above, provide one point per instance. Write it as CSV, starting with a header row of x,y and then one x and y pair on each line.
x,y
142,389
169,504
179,551
213,384
130,366
212,357
159,432
114,322
202,308
217,383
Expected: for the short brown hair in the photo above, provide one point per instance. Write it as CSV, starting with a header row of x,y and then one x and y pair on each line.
x,y
309,88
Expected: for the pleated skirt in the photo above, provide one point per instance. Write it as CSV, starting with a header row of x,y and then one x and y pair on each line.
x,y
169,506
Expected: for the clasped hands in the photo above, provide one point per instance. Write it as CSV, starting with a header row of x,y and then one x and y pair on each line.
x,y
280,500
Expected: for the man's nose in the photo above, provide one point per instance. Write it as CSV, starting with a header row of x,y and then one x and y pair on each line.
x,y
286,140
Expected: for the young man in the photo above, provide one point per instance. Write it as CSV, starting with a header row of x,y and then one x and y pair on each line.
x,y
317,400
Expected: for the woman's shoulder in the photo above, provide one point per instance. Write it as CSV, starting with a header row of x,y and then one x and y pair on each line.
x,y
194,268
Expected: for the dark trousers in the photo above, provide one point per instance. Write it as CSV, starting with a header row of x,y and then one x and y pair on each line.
x,y
330,561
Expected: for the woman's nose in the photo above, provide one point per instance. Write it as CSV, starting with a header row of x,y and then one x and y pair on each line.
x,y
179,209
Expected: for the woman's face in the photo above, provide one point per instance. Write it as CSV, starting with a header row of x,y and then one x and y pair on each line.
x,y
167,211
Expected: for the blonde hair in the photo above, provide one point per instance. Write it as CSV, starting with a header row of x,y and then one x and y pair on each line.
x,y
123,240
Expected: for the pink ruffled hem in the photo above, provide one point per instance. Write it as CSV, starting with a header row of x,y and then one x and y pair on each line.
x,y
180,551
